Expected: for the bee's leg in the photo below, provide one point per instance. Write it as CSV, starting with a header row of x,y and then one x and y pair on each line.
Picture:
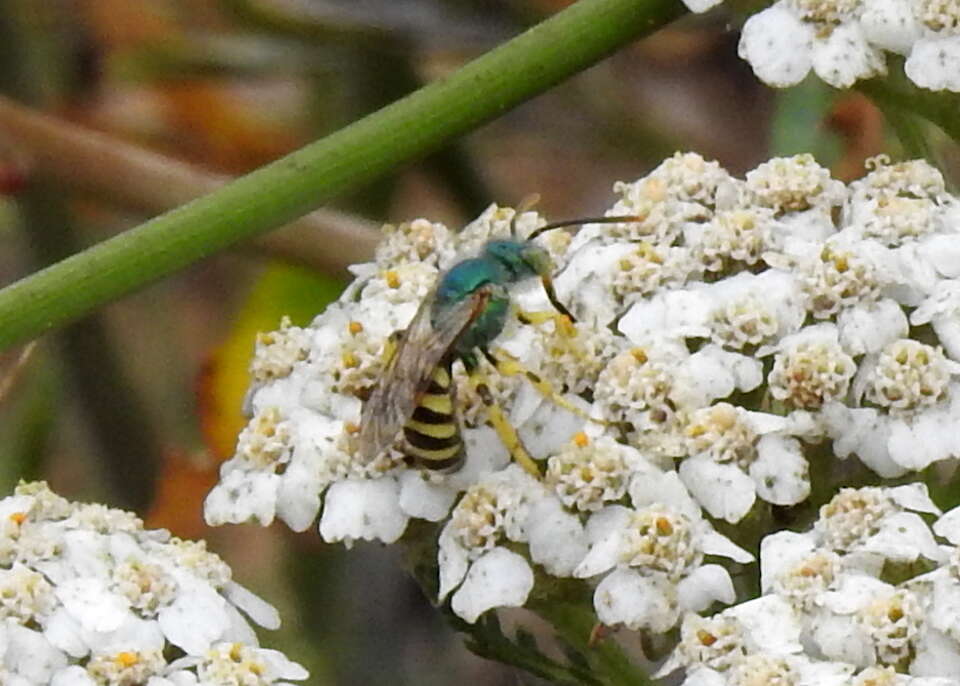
x,y
505,430
390,346
537,317
508,365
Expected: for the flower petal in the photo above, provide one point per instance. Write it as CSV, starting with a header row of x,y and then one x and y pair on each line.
x,y
704,586
778,46
625,597
556,537
500,578
845,57
934,63
780,472
722,489
366,509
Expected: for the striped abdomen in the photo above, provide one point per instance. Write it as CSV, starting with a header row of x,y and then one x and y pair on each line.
x,y
432,433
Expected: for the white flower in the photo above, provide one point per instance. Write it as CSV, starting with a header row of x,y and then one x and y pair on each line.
x,y
890,24
724,331
498,578
934,60
656,553
778,46
897,203
811,368
912,386
366,509
278,351
736,236
730,463
235,663
849,616
766,626
941,311
857,532
683,190
840,273
104,601
820,34
589,473
569,356
909,376
843,41
643,276
879,522
867,622
642,269
504,506
754,311
793,184
587,281
416,241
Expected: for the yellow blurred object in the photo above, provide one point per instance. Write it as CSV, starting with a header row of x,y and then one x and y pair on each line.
x,y
280,291
183,483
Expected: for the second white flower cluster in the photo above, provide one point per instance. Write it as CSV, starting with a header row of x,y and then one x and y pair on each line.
x,y
734,331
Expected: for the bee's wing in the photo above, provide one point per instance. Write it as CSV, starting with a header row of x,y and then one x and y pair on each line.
x,y
407,374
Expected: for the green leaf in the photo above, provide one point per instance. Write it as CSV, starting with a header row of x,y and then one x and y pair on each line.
x,y
905,106
487,640
797,124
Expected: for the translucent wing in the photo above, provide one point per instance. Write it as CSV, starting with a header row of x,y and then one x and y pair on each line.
x,y
407,374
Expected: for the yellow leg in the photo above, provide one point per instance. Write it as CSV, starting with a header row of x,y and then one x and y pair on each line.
x,y
542,317
503,427
508,365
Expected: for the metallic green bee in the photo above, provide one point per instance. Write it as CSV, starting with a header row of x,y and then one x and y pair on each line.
x,y
465,312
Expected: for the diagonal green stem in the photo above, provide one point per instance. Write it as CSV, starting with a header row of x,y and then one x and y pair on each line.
x,y
609,662
483,89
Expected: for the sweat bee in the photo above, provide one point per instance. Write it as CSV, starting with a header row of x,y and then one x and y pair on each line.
x,y
460,318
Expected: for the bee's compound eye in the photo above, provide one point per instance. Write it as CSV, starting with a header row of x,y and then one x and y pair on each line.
x,y
538,259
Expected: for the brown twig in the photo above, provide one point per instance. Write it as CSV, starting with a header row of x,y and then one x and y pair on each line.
x,y
10,375
133,177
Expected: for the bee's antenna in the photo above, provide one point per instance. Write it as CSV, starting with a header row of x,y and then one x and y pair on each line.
x,y
586,220
525,204
552,297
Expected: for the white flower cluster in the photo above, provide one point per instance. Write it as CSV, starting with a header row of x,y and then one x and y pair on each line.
x,y
834,610
728,332
844,41
88,597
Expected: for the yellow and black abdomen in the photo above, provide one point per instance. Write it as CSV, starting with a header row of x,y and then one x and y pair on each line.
x,y
432,433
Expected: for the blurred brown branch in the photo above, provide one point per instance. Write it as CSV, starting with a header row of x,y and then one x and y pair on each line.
x,y
97,163
10,375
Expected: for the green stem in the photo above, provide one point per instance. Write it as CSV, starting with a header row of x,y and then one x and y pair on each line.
x,y
574,624
485,88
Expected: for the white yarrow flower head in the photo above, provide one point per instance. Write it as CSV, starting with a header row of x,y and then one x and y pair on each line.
x,y
830,611
844,41
834,579
651,556
729,337
90,597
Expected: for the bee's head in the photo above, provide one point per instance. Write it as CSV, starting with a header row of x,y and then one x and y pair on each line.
x,y
519,259
524,259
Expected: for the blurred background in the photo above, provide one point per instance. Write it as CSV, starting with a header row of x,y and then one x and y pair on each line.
x,y
137,406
